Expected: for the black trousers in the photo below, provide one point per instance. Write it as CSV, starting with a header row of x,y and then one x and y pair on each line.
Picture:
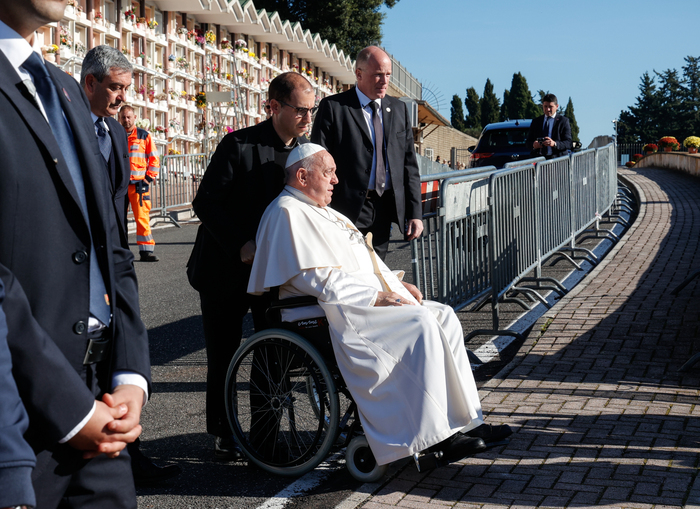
x,y
376,216
223,310
63,479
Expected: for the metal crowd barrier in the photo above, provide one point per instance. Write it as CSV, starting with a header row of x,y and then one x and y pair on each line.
x,y
177,184
489,228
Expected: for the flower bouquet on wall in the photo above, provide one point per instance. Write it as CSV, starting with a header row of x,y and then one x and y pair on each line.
x,y
650,148
129,16
669,143
692,143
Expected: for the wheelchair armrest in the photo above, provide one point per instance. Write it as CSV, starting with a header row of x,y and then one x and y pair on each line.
x,y
294,302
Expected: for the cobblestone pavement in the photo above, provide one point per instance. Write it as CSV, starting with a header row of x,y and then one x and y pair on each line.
x,y
601,415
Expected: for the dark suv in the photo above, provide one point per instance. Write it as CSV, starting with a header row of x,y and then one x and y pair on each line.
x,y
501,143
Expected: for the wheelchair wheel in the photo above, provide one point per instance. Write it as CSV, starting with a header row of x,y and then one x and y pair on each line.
x,y
360,461
281,402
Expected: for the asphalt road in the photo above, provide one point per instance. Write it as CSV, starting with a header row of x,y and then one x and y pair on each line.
x,y
174,419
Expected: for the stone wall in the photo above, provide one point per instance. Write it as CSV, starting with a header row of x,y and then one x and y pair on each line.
x,y
442,139
689,163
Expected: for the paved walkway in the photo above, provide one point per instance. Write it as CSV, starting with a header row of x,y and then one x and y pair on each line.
x,y
601,415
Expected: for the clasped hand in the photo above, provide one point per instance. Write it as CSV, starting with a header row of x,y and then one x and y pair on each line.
x,y
114,423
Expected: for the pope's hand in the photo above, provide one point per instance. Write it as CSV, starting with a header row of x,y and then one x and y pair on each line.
x,y
248,252
391,299
413,290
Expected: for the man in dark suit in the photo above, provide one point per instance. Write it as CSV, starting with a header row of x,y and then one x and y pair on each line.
x,y
105,76
550,134
79,348
376,187
245,174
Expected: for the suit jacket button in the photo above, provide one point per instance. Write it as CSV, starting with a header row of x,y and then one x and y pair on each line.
x,y
80,327
79,256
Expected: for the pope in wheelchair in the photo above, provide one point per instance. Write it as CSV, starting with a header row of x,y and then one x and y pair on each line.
x,y
401,358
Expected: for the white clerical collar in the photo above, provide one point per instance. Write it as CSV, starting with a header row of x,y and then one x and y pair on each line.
x,y
364,100
16,48
301,196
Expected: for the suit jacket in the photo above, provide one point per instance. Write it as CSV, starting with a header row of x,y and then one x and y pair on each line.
x,y
119,186
45,244
341,128
561,133
16,457
241,180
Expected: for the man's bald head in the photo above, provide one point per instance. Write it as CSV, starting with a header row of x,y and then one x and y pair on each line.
x,y
372,71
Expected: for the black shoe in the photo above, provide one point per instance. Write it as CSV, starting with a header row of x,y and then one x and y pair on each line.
x,y
456,447
146,472
148,256
491,434
226,449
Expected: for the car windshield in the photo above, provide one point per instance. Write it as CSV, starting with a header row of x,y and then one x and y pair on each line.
x,y
503,139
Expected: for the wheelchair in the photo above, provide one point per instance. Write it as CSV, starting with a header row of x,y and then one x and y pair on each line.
x,y
287,403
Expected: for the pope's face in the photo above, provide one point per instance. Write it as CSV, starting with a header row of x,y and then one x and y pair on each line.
x,y
319,182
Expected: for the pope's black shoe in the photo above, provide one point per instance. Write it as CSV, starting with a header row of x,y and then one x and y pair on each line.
x,y
226,449
492,435
458,446
146,472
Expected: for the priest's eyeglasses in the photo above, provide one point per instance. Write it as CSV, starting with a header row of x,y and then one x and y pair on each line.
x,y
301,112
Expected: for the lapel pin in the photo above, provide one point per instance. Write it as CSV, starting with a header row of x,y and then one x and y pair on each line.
x,y
388,110
66,94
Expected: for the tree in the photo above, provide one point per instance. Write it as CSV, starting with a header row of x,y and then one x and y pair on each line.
x,y
490,105
671,108
503,115
641,122
473,120
691,94
457,113
349,24
569,113
520,103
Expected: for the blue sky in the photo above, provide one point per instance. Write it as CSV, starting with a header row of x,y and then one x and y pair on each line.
x,y
593,51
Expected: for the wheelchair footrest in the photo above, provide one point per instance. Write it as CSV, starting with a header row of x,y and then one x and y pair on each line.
x,y
429,461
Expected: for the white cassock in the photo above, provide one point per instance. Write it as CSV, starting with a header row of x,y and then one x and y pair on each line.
x,y
406,367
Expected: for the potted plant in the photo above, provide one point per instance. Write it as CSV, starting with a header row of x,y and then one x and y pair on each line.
x,y
669,143
637,157
650,148
210,37
200,100
692,143
152,24
50,52
129,16
629,164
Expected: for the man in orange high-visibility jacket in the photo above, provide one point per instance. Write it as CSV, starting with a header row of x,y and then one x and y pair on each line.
x,y
144,169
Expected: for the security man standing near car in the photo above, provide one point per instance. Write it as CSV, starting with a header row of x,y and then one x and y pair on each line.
x,y
550,134
144,170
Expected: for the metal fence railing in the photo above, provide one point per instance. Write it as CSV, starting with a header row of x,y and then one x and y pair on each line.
x,y
625,151
486,229
177,184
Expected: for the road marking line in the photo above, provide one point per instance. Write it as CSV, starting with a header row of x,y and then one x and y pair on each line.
x,y
306,483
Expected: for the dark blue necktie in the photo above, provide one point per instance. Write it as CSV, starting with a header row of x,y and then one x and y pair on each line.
x,y
548,132
48,94
103,139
